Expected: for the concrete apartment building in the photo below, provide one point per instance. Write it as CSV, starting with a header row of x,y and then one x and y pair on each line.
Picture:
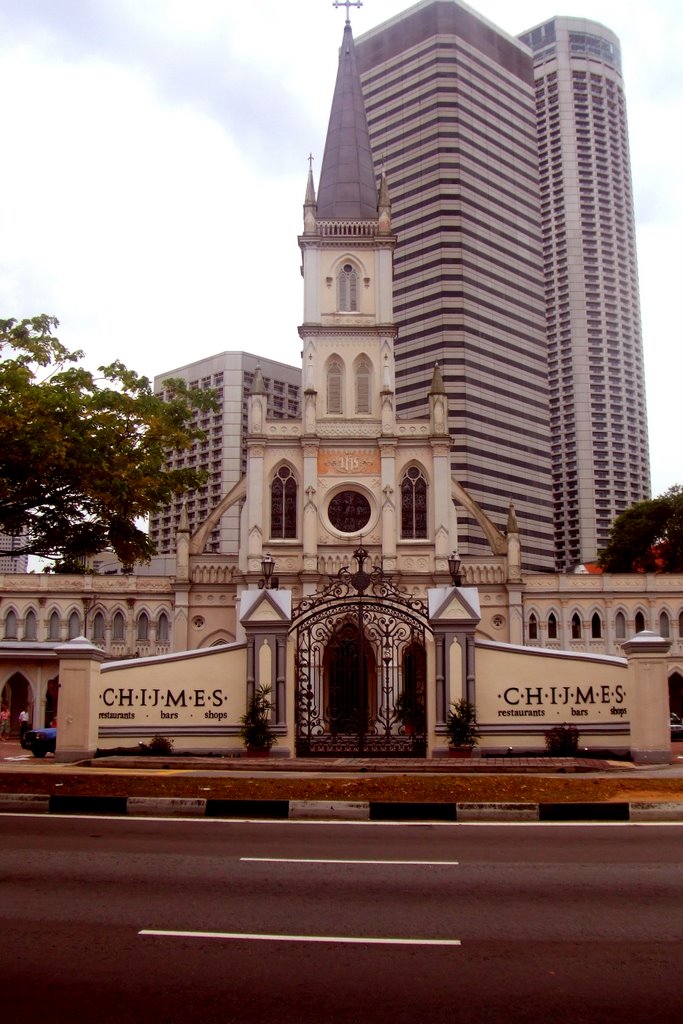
x,y
459,117
451,115
10,562
600,453
222,454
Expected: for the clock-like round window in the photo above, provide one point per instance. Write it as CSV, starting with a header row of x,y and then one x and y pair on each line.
x,y
349,511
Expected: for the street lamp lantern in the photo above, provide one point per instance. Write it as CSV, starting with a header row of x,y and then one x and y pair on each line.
x,y
269,582
454,564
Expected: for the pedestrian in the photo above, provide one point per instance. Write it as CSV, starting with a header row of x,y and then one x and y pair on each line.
x,y
4,722
23,723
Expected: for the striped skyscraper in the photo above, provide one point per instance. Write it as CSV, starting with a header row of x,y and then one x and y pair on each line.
x,y
451,113
597,383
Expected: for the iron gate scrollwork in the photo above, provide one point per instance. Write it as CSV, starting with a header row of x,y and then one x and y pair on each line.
x,y
361,668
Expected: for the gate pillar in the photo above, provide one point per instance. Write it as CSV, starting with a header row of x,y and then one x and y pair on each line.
x,y
453,617
650,719
266,617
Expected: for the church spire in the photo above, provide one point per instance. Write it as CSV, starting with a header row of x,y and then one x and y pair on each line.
x,y
347,189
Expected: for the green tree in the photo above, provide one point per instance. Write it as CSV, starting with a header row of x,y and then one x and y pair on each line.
x,y
83,458
648,537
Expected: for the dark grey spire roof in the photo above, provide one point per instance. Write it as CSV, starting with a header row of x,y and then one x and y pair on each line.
x,y
347,187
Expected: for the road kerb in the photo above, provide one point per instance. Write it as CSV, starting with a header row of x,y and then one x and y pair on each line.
x,y
655,810
177,806
496,812
345,809
24,803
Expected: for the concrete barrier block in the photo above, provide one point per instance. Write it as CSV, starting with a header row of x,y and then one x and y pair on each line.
x,y
656,810
342,809
496,812
24,803
166,806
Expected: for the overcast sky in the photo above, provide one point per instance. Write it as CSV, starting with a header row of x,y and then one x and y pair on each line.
x,y
156,159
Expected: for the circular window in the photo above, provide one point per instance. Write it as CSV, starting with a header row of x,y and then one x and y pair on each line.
x,y
349,511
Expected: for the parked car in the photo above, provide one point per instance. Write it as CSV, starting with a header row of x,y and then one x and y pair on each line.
x,y
676,727
40,741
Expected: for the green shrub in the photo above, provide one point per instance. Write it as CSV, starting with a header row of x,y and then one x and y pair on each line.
x,y
461,724
159,746
562,740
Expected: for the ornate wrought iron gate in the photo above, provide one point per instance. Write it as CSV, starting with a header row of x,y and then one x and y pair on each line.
x,y
361,668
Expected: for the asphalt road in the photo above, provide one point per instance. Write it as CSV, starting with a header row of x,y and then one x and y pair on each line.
x,y
156,921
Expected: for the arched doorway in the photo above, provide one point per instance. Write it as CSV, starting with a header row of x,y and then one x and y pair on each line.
x,y
16,693
676,693
361,668
350,675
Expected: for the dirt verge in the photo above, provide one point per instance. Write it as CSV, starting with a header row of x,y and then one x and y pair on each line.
x,y
401,788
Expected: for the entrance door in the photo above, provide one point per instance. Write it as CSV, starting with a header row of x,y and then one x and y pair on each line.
x,y
350,688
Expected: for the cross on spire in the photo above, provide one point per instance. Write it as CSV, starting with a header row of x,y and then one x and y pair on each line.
x,y
347,4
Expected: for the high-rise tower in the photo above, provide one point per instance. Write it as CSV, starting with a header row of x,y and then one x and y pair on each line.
x,y
597,387
451,116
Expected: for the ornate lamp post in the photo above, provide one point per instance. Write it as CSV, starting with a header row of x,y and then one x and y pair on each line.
x,y
454,564
268,582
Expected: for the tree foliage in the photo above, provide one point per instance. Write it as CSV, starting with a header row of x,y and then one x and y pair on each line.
x,y
648,537
82,458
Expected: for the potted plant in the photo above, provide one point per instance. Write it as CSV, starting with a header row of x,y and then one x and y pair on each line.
x,y
255,731
410,712
461,725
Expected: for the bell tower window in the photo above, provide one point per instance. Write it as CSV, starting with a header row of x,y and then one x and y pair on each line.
x,y
363,376
347,289
335,385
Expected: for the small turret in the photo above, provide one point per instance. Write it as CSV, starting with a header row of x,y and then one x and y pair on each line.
x,y
383,207
514,547
258,403
438,403
182,547
310,205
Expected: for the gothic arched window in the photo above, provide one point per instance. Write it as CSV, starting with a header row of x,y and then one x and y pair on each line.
x,y
347,289
98,627
74,626
30,626
664,625
54,627
11,625
363,385
640,622
162,628
620,626
576,626
142,631
283,505
414,505
596,627
118,630
335,386
533,627
552,626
